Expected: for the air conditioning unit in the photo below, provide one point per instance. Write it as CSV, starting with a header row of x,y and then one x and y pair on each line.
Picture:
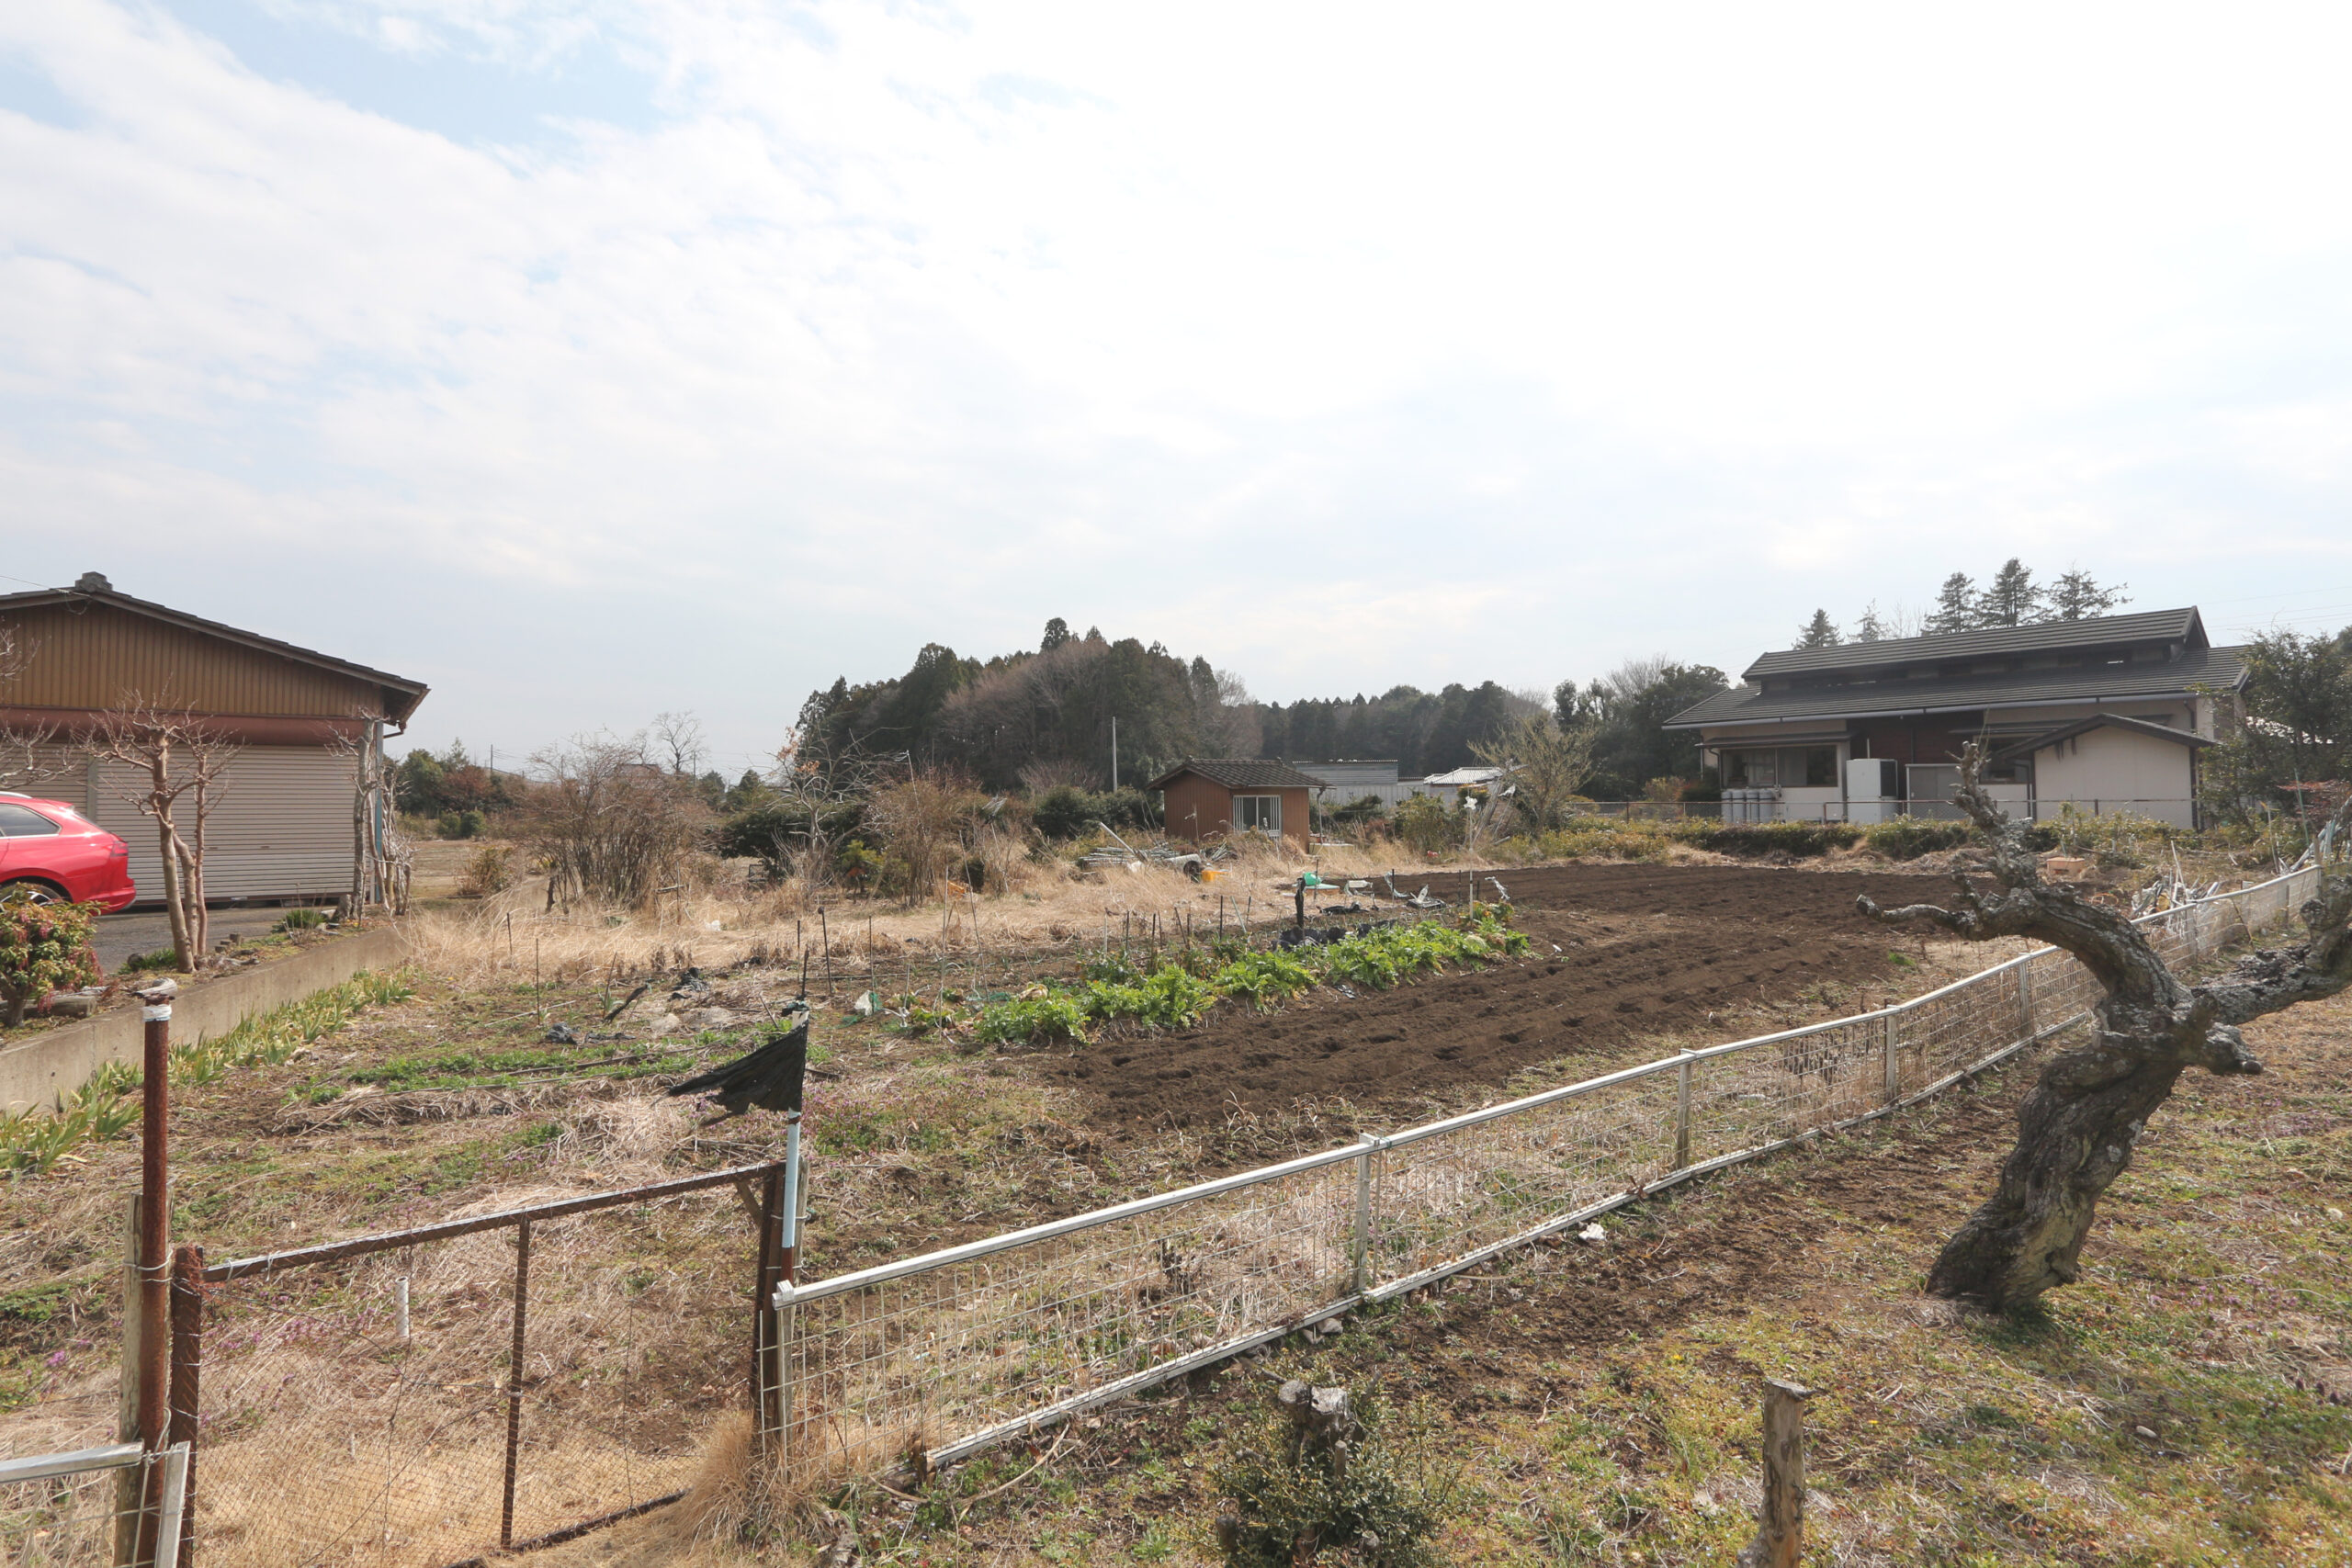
x,y
1873,789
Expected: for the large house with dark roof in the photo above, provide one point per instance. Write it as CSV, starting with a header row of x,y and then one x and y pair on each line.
x,y
2103,715
1213,797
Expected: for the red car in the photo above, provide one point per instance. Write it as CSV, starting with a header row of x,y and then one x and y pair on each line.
x,y
50,851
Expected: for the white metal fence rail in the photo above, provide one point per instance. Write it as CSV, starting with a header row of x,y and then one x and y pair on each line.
x,y
929,1359
112,1508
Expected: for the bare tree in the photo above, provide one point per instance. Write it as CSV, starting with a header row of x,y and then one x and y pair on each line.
x,y
922,818
609,823
679,740
2076,1128
180,765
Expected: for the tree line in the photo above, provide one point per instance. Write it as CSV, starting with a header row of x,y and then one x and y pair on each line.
x,y
2011,597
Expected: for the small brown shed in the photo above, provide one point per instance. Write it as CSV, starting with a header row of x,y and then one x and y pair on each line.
x,y
306,808
1213,797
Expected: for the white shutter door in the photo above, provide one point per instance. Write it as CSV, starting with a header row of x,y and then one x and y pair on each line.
x,y
281,828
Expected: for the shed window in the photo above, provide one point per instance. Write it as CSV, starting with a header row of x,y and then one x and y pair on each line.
x,y
1258,813
24,822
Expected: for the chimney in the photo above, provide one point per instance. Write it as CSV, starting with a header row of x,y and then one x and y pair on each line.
x,y
93,582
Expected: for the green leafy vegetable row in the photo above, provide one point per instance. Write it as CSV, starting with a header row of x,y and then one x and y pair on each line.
x,y
1179,992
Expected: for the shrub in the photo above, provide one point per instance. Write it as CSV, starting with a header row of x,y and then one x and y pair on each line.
x,y
1908,838
490,871
43,948
1379,1498
1423,822
162,958
1043,1018
309,919
609,825
1064,811
1595,837
777,831
1766,838
462,824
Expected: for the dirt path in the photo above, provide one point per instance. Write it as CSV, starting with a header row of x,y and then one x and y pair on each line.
x,y
1620,954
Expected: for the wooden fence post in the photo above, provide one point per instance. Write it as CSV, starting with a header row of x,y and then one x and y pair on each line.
x,y
1780,1527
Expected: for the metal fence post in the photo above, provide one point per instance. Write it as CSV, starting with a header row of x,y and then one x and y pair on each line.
x,y
1682,1111
188,1366
1893,1063
128,1480
1360,1235
515,1378
771,1269
788,1314
2024,998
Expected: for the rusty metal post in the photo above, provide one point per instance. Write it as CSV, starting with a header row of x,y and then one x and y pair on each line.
x,y
771,1270
515,1378
154,1261
1779,1526
187,1365
154,1224
128,1480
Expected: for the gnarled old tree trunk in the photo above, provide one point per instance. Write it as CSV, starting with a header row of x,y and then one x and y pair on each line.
x,y
2077,1126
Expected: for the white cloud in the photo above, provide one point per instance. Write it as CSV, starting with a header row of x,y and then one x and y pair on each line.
x,y
1546,333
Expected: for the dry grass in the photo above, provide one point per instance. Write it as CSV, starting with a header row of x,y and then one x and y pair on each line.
x,y
720,920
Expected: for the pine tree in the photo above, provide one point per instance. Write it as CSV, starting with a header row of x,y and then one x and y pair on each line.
x,y
2078,594
2011,599
1956,606
1871,628
1056,634
1818,632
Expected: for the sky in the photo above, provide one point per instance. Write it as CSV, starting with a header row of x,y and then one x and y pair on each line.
x,y
589,360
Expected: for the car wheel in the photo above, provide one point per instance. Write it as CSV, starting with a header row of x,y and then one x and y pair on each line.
x,y
31,893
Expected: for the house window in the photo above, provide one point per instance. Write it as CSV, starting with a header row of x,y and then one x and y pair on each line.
x,y
1807,767
1258,813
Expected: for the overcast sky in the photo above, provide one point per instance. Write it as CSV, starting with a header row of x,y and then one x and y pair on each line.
x,y
590,359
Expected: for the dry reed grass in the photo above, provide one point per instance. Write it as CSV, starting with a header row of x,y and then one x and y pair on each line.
x,y
721,920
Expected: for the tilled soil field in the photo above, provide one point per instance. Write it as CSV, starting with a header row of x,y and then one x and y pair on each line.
x,y
1620,952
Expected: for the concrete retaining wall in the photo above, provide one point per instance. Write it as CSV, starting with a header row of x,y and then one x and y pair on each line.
x,y
44,1070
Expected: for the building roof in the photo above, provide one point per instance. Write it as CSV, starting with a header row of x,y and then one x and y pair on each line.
x,y
1460,777
2182,627
2026,748
400,695
2218,668
1240,772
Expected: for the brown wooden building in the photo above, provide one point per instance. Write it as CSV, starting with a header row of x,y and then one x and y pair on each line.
x,y
1213,797
306,808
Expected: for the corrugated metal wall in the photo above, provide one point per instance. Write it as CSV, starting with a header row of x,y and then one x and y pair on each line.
x,y
95,656
282,829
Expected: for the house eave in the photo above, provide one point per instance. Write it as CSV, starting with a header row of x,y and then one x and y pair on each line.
x,y
1931,712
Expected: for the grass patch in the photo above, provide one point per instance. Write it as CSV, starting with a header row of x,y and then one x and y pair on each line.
x,y
32,1141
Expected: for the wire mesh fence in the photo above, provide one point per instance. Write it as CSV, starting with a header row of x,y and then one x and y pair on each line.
x,y
928,1358
430,1396
112,1508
